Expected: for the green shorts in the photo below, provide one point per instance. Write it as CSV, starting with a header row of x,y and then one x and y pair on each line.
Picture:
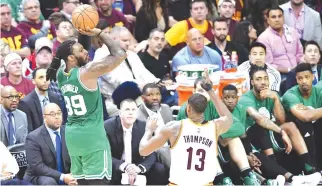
x,y
237,129
96,165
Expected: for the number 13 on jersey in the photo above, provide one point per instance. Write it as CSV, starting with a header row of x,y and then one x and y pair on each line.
x,y
201,154
75,105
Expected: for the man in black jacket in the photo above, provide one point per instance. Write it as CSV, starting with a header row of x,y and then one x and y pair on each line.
x,y
34,103
46,151
124,133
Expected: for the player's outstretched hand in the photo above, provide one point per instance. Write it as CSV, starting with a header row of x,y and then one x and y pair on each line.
x,y
90,32
151,124
206,83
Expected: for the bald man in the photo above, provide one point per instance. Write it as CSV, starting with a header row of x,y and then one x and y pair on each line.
x,y
13,128
46,151
195,52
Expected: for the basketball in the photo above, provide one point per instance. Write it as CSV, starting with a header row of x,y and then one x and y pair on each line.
x,y
85,16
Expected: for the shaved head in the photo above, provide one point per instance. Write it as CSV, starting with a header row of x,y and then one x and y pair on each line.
x,y
53,116
6,90
51,107
10,98
195,41
193,32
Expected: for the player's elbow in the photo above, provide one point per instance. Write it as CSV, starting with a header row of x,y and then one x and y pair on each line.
x,y
307,117
143,151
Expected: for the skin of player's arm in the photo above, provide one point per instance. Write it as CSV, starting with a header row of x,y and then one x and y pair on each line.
x,y
305,114
95,69
262,120
150,143
222,125
278,110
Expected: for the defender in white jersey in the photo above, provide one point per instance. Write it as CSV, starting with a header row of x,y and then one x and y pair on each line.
x,y
193,154
193,140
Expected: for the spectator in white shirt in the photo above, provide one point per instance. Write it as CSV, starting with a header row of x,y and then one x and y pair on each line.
x,y
132,69
8,164
9,168
257,57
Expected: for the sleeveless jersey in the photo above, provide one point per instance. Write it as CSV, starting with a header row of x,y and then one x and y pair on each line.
x,y
193,156
208,36
85,131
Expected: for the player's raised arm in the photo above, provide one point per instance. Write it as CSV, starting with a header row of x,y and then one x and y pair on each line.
x,y
226,119
95,69
150,143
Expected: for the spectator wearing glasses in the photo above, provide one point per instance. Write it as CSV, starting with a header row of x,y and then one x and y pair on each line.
x,y
13,127
14,78
10,34
64,30
68,8
46,151
34,28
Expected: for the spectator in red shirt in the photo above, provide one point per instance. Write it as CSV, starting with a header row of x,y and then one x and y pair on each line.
x,y
14,78
34,28
11,35
111,16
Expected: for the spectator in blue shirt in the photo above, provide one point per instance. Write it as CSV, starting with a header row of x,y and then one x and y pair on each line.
x,y
195,52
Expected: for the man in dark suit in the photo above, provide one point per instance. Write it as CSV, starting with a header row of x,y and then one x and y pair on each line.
x,y
124,133
33,104
152,107
13,126
46,151
312,55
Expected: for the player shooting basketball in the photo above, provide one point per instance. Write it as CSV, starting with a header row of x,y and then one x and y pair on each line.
x,y
193,140
86,140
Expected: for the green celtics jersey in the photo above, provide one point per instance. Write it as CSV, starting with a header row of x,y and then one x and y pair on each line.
x,y
264,107
85,131
209,114
239,121
240,113
319,84
293,97
237,128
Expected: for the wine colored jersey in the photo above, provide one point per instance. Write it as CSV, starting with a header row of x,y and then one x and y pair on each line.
x,y
15,39
115,19
29,29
